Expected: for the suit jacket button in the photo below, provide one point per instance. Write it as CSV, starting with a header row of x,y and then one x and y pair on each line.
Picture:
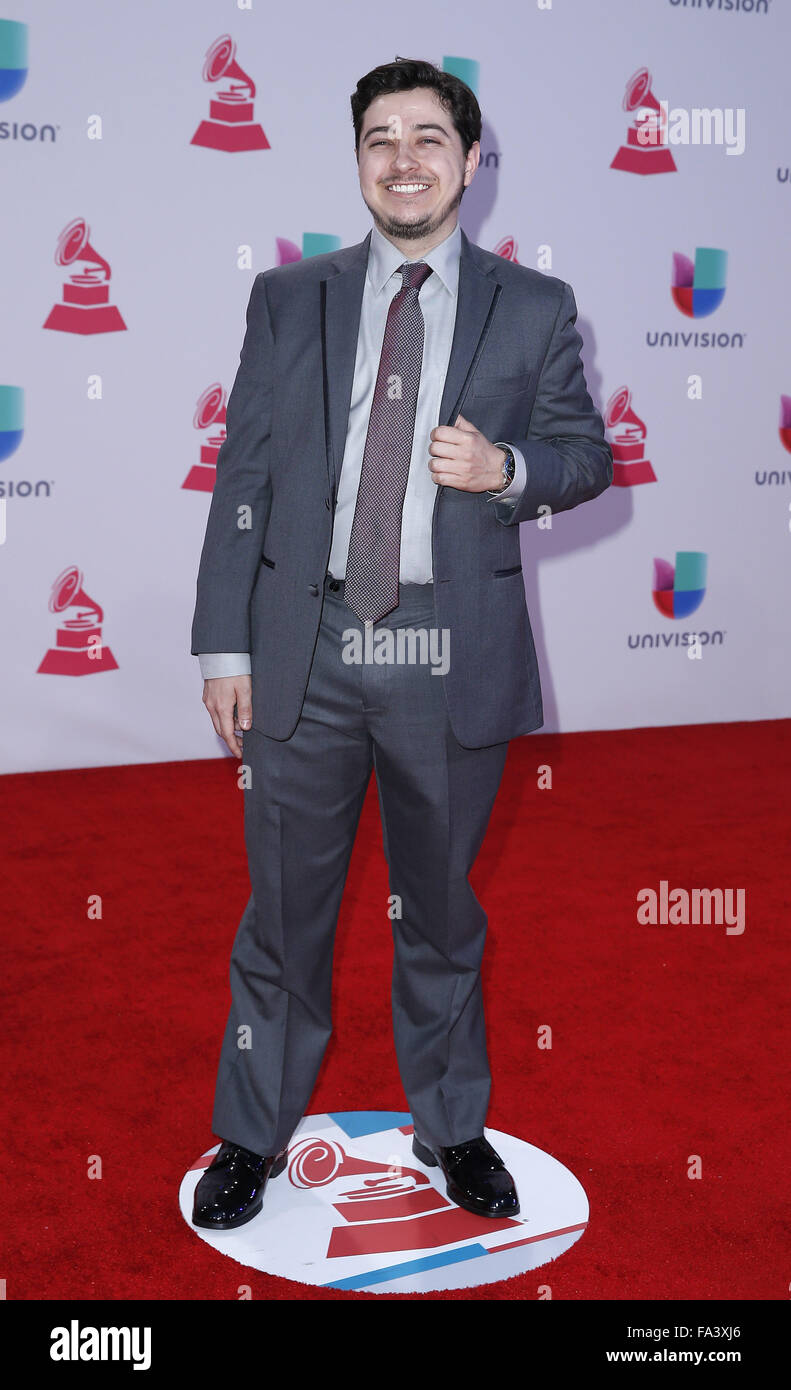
x,y
314,590
327,503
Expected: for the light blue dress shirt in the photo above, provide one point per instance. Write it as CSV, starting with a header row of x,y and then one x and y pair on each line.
x,y
438,299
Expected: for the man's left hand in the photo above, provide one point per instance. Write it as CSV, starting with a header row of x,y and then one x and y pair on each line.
x,y
462,457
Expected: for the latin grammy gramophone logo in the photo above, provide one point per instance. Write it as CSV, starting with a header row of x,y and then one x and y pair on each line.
x,y
230,126
646,150
626,435
385,1208
209,413
785,422
78,650
86,292
507,248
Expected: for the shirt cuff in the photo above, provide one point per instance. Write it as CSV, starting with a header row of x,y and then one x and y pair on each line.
x,y
518,483
214,664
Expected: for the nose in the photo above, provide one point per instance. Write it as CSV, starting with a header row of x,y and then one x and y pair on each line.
x,y
403,159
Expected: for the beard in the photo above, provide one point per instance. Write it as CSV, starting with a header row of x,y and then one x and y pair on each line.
x,y
392,226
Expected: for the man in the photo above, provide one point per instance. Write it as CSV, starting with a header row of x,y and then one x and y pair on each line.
x,y
400,407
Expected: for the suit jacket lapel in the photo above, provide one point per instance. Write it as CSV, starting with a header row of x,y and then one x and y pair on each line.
x,y
341,302
477,298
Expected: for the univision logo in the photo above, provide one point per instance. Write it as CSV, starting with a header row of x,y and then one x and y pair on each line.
x,y
785,422
698,286
698,289
776,476
13,58
678,591
12,419
737,6
313,244
12,428
468,71
13,75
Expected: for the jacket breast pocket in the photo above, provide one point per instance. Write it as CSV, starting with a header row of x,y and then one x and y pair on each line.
x,y
500,385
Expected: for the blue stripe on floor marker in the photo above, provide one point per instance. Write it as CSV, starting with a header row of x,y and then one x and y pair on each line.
x,y
380,1276
356,1123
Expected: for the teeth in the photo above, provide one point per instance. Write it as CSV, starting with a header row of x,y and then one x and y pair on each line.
x,y
407,187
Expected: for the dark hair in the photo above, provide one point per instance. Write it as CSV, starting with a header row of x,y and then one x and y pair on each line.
x,y
404,75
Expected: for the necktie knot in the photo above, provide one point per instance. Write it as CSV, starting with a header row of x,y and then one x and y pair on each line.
x,y
414,274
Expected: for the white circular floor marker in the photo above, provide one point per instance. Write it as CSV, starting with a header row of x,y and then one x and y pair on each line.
x,y
354,1209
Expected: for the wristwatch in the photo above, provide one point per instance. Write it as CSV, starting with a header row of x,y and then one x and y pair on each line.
x,y
509,469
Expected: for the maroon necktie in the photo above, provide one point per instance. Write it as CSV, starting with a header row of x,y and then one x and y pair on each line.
x,y
372,564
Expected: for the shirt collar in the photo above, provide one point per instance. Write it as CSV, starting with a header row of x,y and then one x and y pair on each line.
x,y
384,258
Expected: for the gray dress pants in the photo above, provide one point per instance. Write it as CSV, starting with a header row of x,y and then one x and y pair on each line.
x,y
301,813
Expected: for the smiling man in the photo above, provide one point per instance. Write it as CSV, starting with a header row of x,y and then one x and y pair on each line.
x,y
400,406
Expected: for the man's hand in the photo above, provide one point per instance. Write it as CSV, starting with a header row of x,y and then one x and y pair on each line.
x,y
220,696
462,457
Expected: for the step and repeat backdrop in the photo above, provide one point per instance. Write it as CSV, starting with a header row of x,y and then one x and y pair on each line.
x,y
155,157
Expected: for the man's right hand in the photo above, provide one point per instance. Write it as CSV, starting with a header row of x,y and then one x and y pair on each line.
x,y
220,696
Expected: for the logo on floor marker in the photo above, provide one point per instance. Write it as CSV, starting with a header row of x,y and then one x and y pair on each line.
x,y
354,1209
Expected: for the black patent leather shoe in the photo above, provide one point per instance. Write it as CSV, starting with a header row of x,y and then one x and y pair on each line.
x,y
231,1190
477,1179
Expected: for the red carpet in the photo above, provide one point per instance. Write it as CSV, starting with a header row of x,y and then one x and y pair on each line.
x,y
668,1041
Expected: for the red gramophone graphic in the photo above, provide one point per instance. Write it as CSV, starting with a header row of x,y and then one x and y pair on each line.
x,y
507,248
230,126
86,293
626,434
210,410
645,151
393,1209
785,422
79,650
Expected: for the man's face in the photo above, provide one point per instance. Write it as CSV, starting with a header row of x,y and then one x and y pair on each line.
x,y
412,167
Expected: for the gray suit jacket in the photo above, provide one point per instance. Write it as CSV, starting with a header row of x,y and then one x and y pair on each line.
x,y
514,372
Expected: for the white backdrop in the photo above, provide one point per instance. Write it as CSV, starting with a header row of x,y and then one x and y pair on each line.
x,y
96,481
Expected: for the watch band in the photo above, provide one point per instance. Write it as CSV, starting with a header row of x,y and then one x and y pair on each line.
x,y
509,469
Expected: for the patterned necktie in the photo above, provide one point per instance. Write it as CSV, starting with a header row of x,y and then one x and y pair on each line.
x,y
372,565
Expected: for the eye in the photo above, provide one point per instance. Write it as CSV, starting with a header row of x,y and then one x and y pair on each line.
x,y
424,140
